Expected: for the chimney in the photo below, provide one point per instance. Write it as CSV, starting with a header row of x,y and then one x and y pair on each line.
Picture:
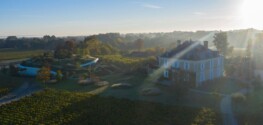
x,y
206,44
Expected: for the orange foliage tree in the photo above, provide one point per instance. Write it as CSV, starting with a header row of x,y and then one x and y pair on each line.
x,y
43,74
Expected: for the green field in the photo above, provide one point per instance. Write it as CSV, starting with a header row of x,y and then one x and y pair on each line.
x,y
10,54
61,107
168,96
223,86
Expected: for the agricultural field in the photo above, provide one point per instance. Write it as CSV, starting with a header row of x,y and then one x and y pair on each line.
x,y
63,107
11,54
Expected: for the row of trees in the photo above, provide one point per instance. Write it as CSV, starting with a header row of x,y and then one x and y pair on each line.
x,y
47,42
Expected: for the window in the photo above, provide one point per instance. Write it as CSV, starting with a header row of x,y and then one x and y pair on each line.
x,y
186,66
176,64
165,63
166,74
202,76
202,67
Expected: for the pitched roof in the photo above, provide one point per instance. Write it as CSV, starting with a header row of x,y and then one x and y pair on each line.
x,y
194,51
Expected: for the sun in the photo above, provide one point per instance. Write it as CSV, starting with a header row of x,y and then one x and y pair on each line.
x,y
252,14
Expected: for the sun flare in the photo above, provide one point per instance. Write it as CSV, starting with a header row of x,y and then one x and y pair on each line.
x,y
252,14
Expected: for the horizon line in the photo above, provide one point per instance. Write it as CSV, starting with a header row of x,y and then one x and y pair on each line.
x,y
124,33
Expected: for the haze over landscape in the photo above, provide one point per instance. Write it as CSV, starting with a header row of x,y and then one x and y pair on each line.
x,y
131,62
85,17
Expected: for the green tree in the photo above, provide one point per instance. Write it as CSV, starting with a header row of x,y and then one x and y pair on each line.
x,y
221,43
91,45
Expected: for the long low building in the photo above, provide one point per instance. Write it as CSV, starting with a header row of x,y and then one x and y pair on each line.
x,y
32,71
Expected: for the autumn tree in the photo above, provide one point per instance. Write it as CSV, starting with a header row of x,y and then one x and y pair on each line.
x,y
59,75
43,74
221,43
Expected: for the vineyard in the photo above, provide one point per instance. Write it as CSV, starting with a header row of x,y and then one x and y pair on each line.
x,y
61,107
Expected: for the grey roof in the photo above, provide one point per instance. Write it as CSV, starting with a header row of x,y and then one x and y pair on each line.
x,y
197,52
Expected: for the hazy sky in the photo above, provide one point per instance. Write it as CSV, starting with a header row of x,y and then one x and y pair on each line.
x,y
83,17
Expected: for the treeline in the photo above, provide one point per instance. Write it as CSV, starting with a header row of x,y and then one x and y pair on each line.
x,y
236,38
47,42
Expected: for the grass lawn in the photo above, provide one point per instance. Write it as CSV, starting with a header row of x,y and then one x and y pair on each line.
x,y
11,54
168,96
250,111
254,102
223,86
70,85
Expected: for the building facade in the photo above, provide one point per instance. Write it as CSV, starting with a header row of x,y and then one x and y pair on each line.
x,y
197,65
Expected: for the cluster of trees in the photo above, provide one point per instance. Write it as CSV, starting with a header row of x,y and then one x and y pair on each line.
x,y
89,46
92,46
65,50
60,107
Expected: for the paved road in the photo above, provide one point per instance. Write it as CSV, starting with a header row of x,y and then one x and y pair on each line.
x,y
26,89
227,112
226,108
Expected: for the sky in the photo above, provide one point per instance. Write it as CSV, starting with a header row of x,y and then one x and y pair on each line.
x,y
85,17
